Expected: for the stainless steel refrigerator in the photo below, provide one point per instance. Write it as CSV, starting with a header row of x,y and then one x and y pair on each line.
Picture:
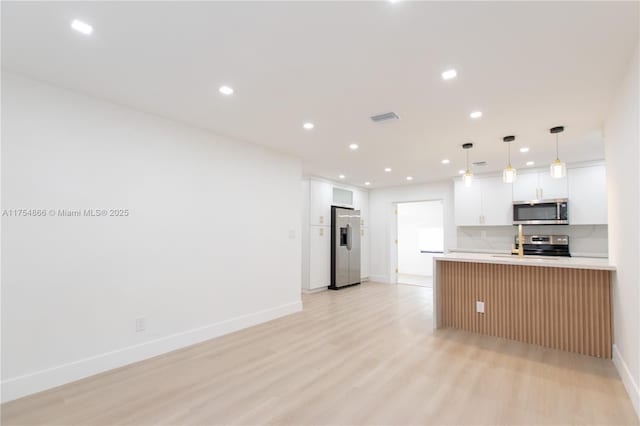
x,y
345,247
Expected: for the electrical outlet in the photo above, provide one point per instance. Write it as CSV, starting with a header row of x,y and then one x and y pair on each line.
x,y
479,307
141,324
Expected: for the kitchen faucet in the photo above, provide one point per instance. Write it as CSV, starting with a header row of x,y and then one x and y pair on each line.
x,y
520,250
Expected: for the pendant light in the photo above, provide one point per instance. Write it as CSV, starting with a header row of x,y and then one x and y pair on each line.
x,y
558,169
509,174
468,176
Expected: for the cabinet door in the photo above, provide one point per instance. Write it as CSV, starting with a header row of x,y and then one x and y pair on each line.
x,y
468,204
320,195
587,195
525,188
496,202
364,253
552,188
319,257
361,202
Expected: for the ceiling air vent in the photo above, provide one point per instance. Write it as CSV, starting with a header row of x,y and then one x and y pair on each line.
x,y
480,163
384,117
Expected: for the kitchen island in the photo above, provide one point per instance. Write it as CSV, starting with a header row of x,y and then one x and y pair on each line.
x,y
561,303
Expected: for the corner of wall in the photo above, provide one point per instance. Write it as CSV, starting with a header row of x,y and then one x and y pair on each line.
x,y
627,379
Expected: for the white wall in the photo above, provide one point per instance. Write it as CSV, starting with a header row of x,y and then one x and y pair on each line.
x,y
383,228
209,246
584,240
622,154
412,218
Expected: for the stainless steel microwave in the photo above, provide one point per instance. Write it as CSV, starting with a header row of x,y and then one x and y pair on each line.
x,y
541,212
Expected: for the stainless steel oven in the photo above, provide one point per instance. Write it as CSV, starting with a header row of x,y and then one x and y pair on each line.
x,y
541,212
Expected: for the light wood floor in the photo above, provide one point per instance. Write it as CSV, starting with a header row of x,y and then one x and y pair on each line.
x,y
362,355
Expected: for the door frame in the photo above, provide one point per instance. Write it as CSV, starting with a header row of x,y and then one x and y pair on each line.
x,y
393,252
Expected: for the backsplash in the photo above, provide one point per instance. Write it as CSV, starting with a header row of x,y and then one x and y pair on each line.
x,y
584,240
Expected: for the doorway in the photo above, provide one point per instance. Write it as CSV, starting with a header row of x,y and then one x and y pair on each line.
x,y
420,231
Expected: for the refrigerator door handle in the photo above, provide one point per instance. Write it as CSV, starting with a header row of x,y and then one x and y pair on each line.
x,y
349,236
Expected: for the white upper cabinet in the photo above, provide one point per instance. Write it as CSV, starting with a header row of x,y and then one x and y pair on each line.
x,y
468,204
587,195
496,202
486,202
525,188
361,202
320,198
539,186
551,188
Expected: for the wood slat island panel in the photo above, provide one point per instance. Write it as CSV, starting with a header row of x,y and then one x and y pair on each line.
x,y
560,308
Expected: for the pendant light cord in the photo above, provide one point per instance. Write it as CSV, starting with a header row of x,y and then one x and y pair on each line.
x,y
509,154
557,156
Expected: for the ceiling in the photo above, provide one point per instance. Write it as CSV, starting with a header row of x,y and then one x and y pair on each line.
x,y
526,66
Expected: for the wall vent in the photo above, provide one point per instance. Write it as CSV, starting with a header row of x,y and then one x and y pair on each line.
x,y
384,117
480,163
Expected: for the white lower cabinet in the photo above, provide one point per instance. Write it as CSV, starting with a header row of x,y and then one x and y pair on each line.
x,y
319,257
364,252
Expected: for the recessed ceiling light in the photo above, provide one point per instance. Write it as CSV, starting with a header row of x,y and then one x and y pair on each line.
x,y
524,149
226,90
530,163
81,27
445,161
353,146
308,126
387,169
367,183
409,177
341,176
461,171
476,114
449,74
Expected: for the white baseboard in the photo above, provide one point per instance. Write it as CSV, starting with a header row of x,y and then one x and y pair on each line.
x,y
627,379
379,279
315,290
18,387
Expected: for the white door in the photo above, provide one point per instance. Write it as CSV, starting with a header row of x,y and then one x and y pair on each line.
x,y
319,257
420,230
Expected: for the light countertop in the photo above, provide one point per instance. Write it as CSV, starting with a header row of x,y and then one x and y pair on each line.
x,y
550,262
